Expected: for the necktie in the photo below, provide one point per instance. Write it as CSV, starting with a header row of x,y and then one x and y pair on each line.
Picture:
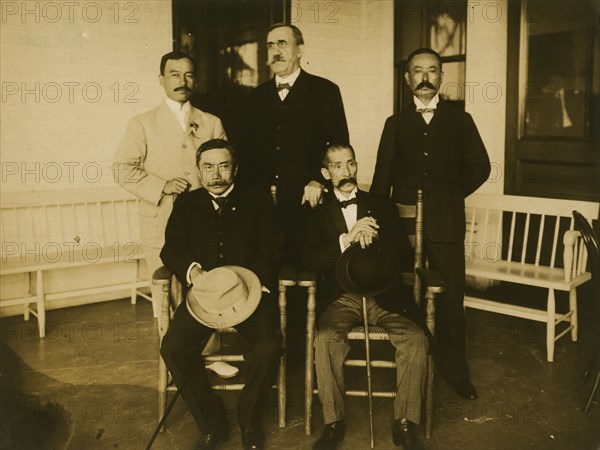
x,y
282,86
345,203
425,110
220,201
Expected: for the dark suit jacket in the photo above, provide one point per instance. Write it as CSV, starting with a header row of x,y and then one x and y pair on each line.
x,y
446,158
322,249
287,137
245,234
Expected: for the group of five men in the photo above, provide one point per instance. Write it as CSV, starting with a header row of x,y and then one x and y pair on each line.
x,y
299,153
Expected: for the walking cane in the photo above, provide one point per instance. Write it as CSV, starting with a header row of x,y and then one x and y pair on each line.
x,y
172,402
368,357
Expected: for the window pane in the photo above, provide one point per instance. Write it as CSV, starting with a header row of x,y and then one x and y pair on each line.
x,y
453,85
559,70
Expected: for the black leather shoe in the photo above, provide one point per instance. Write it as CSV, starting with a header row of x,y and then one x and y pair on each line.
x,y
465,390
211,440
404,434
332,435
252,439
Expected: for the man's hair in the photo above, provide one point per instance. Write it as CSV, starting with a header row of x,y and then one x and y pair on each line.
x,y
214,144
335,148
295,31
174,55
421,51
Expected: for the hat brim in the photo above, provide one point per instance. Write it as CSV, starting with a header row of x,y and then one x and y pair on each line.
x,y
345,280
222,321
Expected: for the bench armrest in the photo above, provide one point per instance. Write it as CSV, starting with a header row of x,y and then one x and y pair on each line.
x,y
573,262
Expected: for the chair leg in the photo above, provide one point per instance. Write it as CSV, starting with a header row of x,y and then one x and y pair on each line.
x,y
550,325
594,389
310,360
27,282
430,322
162,389
134,278
573,307
281,376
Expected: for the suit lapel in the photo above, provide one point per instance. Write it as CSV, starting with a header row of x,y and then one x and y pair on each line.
x,y
169,122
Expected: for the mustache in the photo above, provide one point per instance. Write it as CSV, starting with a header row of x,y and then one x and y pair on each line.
x,y
217,183
182,88
349,180
425,84
277,58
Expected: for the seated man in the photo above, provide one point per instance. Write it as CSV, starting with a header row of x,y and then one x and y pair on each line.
x,y
211,228
349,215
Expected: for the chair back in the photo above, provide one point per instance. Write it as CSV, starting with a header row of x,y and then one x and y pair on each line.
x,y
412,216
590,241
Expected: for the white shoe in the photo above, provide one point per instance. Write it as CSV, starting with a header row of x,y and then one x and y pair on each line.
x,y
223,369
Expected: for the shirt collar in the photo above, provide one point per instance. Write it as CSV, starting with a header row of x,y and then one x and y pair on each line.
x,y
177,107
341,197
224,194
432,104
290,79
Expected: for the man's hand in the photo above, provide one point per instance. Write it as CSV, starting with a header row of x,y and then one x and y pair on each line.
x,y
312,193
363,231
176,186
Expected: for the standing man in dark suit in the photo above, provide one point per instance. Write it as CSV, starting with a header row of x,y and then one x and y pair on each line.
x,y
222,225
348,216
436,147
296,115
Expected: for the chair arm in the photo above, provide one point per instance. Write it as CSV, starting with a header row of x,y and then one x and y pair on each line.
x,y
162,276
433,282
307,278
287,277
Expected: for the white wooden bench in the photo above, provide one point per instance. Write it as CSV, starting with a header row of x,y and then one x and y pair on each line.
x,y
62,230
528,241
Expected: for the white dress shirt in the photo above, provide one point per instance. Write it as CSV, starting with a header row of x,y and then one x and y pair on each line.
x,y
350,214
182,113
290,79
427,116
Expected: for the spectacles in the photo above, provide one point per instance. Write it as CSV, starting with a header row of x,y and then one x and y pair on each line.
x,y
225,167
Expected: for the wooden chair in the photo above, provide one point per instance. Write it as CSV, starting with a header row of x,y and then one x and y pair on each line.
x,y
421,280
591,244
172,297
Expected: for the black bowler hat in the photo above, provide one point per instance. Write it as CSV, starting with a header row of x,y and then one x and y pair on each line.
x,y
370,271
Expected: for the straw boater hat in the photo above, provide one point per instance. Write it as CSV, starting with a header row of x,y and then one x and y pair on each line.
x,y
370,271
224,297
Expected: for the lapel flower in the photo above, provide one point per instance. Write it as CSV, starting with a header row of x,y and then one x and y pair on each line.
x,y
194,128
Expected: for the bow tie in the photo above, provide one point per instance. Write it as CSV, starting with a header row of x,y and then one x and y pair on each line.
x,y
345,203
282,86
425,110
220,201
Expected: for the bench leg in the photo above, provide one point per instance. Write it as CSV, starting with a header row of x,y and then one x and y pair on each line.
x,y
550,325
27,281
573,308
134,278
41,307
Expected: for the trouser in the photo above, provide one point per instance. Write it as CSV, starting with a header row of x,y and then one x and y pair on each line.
x,y
332,347
186,338
448,260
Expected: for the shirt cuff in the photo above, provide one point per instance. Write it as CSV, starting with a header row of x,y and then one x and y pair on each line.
x,y
264,289
342,247
189,271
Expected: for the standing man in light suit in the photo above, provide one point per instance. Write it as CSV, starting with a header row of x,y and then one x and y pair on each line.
x,y
156,159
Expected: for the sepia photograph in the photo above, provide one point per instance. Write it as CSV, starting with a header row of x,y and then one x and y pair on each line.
x,y
300,224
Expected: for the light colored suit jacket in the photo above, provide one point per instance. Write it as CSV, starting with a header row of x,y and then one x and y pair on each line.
x,y
154,150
